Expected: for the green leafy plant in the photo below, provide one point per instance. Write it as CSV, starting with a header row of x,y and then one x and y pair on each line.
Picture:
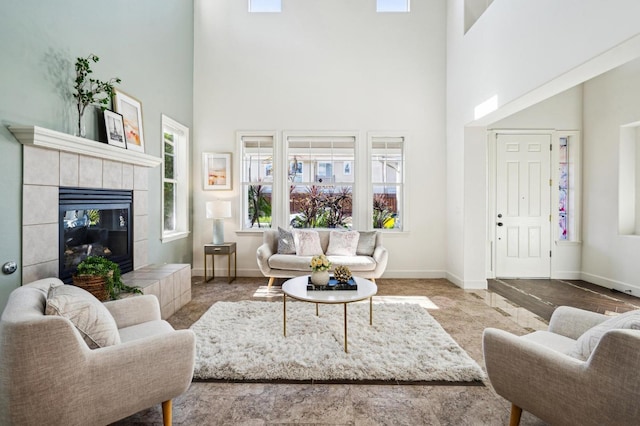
x,y
103,267
90,91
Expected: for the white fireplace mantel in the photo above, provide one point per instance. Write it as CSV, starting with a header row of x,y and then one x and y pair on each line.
x,y
50,139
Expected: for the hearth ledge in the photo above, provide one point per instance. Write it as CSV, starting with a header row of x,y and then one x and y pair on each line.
x,y
50,139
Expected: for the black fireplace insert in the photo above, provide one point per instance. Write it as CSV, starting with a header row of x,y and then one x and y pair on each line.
x,y
95,222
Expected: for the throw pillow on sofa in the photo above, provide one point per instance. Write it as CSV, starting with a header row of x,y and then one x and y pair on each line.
x,y
590,338
343,243
92,319
366,243
307,242
286,244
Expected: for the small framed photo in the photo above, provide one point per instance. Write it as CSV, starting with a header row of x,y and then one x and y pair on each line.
x,y
216,169
131,110
114,126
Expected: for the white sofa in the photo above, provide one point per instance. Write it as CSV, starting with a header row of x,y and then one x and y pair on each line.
x,y
49,375
274,265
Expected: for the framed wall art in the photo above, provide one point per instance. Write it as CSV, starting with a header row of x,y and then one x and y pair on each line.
x,y
216,170
114,126
131,110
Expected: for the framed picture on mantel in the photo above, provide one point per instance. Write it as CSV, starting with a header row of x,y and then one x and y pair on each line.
x,y
131,110
114,126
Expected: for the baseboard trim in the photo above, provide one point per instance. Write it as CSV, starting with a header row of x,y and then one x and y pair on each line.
x,y
611,284
566,275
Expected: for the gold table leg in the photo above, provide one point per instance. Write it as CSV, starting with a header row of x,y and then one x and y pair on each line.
x,y
371,310
284,314
345,328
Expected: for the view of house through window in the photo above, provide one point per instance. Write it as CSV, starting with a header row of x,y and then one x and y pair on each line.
x,y
175,180
309,181
320,179
387,171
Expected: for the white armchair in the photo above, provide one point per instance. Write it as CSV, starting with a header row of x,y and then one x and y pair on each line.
x,y
541,374
48,374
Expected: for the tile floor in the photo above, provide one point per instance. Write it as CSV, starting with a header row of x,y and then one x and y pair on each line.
x,y
463,314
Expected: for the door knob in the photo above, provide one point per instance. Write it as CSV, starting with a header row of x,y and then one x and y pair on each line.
x,y
499,215
499,224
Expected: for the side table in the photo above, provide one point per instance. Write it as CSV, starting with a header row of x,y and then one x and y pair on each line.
x,y
213,250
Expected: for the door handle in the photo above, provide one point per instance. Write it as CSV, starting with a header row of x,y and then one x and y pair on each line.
x,y
499,223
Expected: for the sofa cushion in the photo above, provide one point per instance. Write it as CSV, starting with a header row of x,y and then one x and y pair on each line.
x,y
366,243
554,341
88,314
286,244
343,243
587,342
307,242
290,262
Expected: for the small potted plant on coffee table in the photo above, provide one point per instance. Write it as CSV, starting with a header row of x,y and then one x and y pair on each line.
x,y
101,277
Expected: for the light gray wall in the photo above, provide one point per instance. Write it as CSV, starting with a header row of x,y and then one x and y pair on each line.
x,y
326,65
147,43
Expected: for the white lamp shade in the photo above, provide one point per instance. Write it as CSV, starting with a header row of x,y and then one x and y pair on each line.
x,y
218,209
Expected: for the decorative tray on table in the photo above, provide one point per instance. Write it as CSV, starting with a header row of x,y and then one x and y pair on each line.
x,y
333,285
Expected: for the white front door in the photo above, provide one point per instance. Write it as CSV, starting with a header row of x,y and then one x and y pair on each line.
x,y
523,212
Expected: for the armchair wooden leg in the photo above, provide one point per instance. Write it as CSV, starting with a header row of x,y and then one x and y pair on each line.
x,y
271,280
516,412
167,414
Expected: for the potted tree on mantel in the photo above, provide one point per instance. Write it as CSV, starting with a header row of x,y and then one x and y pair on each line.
x,y
90,91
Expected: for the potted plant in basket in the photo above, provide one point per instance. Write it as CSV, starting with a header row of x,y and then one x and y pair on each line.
x,y
101,277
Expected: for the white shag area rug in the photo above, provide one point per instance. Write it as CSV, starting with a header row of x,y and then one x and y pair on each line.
x,y
244,341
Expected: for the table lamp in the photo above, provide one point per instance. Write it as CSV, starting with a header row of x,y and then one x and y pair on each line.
x,y
218,211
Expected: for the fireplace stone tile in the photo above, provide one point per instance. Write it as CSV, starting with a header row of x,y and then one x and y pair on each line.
x,y
90,172
39,204
69,169
127,176
141,227
140,203
112,174
33,273
40,244
140,178
140,254
40,166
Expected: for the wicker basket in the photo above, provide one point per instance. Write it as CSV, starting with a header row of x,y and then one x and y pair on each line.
x,y
94,284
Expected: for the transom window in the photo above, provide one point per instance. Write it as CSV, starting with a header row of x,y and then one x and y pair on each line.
x,y
265,6
392,6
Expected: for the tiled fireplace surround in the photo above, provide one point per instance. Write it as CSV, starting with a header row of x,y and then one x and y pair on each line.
x,y
52,159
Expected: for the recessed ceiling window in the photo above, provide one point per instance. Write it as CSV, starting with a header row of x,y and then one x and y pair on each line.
x,y
392,6
261,6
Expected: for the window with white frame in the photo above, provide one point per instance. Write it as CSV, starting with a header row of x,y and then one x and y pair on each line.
x,y
265,6
320,179
392,6
387,180
257,176
175,180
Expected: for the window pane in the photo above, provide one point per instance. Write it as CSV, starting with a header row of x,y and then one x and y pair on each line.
x,y
321,206
392,6
265,5
386,203
169,166
169,206
259,206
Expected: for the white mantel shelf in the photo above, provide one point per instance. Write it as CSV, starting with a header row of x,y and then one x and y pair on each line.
x,y
50,139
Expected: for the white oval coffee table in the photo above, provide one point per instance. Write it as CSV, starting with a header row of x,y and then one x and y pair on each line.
x,y
296,288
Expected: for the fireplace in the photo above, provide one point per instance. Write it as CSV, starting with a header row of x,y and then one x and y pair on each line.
x,y
94,222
